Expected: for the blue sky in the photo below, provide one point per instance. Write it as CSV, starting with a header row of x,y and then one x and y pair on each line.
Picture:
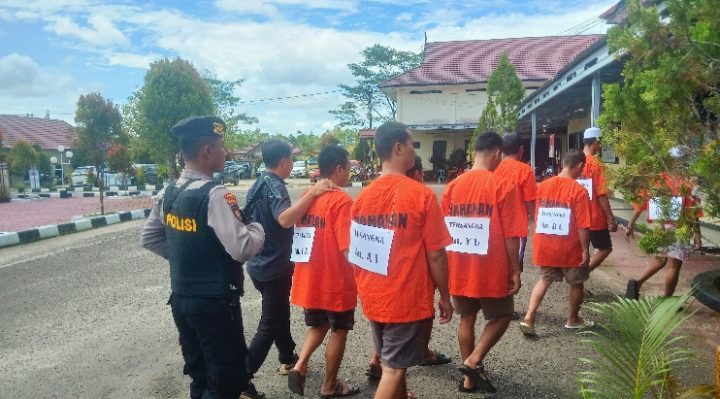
x,y
52,51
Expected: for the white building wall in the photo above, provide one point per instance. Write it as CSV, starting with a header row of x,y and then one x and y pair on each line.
x,y
438,105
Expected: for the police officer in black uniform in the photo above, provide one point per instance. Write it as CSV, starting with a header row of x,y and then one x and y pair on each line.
x,y
198,226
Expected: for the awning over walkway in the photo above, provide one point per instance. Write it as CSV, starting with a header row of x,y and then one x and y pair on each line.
x,y
574,93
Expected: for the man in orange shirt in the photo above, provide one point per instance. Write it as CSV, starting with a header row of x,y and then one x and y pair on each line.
x,y
480,211
521,174
324,283
432,358
602,220
682,206
397,244
561,240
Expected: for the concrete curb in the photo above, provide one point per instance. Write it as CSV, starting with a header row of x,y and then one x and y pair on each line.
x,y
54,230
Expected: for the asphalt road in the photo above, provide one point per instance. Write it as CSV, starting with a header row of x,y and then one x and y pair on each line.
x,y
85,316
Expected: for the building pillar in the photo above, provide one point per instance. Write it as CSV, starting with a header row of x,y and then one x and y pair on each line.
x,y
595,93
533,140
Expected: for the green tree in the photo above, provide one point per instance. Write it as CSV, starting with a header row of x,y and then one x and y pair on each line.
x,y
328,139
2,149
367,103
636,350
22,157
669,96
362,151
505,91
226,103
173,90
120,160
43,160
99,127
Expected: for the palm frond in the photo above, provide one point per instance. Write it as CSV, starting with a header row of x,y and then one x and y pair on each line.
x,y
635,347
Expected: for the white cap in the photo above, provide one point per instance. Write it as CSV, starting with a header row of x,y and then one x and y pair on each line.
x,y
592,133
676,152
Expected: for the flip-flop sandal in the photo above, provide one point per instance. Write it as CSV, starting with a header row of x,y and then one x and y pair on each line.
x,y
479,378
340,392
584,325
374,371
528,330
440,358
411,395
461,387
296,382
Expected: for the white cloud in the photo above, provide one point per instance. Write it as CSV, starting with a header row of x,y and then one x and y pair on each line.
x,y
101,32
270,7
279,57
130,60
494,26
20,76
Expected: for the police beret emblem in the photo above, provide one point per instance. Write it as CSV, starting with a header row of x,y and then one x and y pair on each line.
x,y
218,127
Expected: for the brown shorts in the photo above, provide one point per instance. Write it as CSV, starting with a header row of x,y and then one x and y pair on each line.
x,y
492,308
573,275
336,320
400,345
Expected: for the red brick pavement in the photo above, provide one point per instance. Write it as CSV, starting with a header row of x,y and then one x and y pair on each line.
x,y
18,215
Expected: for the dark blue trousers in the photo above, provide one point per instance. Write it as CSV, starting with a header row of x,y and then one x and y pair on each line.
x,y
213,345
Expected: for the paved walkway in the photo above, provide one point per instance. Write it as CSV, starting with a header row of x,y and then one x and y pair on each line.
x,y
18,215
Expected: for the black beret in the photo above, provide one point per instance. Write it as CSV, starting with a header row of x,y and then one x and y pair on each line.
x,y
198,126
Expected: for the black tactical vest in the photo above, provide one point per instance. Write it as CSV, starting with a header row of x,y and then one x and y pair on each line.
x,y
199,264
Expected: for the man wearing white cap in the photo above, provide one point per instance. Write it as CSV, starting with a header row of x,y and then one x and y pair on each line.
x,y
602,220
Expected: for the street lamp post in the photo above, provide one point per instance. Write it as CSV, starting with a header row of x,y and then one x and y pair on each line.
x,y
54,160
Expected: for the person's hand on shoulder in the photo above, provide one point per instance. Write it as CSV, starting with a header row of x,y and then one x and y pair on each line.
x,y
323,186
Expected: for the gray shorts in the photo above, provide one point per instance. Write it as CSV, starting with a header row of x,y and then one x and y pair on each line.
x,y
492,308
572,275
400,345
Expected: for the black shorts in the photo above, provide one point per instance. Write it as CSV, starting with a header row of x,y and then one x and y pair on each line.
x,y
600,239
337,320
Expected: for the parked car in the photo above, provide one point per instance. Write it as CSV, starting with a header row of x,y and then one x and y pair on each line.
x,y
312,164
314,176
299,169
246,169
260,169
149,171
79,176
233,172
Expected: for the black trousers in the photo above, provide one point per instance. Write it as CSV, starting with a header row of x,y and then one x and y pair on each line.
x,y
274,326
213,345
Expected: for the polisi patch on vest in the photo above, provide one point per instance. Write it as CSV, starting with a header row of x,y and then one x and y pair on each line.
x,y
181,224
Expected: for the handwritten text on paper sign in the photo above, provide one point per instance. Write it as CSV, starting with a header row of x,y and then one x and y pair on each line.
x,y
470,235
370,247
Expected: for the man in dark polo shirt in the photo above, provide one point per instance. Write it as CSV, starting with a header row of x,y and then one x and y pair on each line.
x,y
271,270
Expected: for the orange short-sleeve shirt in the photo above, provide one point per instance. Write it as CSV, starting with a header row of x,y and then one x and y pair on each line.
x,y
522,175
555,250
480,193
676,187
327,281
411,209
595,170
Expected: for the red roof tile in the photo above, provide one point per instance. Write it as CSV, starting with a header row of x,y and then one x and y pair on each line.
x,y
48,133
472,61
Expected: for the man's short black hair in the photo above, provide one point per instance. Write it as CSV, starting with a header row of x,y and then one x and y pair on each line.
x,y
387,135
511,143
330,158
573,157
275,150
590,141
190,147
488,141
416,168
